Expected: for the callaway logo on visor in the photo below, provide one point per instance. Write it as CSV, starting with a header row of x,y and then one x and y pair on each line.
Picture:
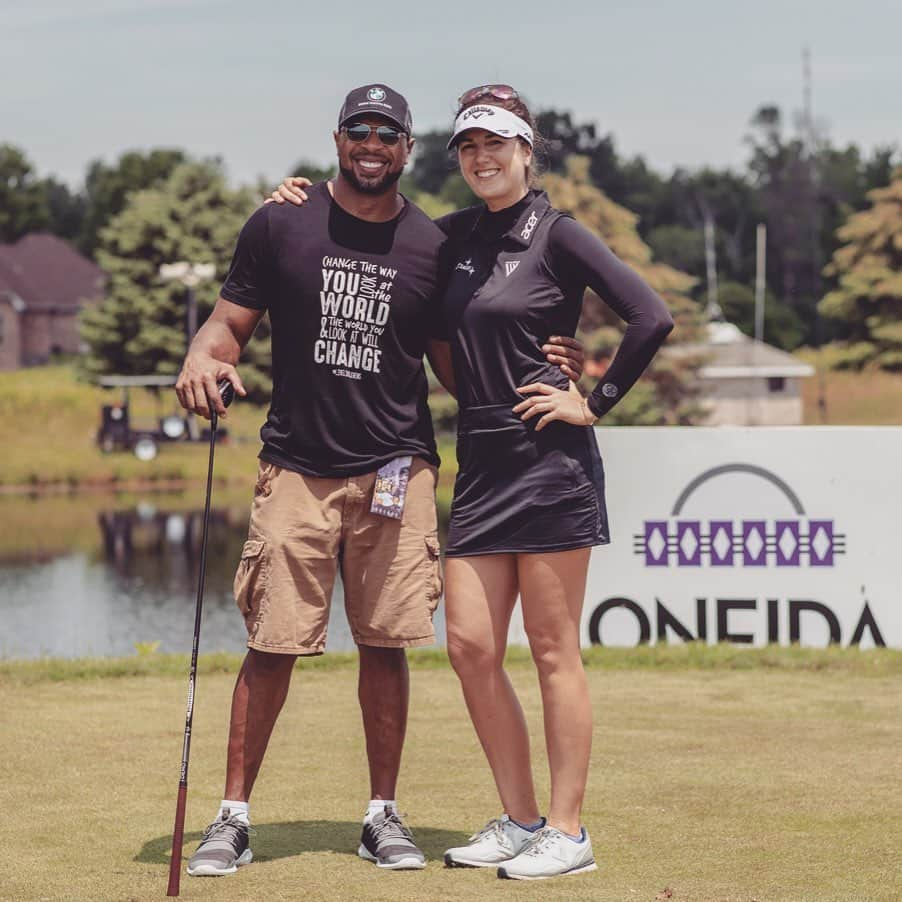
x,y
494,119
475,112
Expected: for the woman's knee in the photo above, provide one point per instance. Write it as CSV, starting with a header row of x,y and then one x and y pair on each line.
x,y
554,653
472,656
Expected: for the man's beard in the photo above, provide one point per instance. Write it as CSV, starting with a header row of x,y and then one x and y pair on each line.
x,y
371,186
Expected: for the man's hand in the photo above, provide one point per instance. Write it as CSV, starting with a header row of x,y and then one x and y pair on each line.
x,y
197,383
292,190
567,353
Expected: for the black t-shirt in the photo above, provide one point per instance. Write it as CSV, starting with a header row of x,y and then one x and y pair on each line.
x,y
352,304
518,276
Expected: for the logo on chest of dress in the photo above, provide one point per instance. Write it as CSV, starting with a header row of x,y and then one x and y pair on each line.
x,y
466,266
526,234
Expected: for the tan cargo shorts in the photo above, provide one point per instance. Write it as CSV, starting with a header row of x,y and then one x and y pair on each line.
x,y
303,528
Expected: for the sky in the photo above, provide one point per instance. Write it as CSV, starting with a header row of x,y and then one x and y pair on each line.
x,y
259,84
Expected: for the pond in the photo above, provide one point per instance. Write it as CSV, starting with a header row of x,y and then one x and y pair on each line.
x,y
94,575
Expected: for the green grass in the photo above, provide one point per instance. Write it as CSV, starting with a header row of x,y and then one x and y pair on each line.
x,y
49,423
870,398
879,662
770,783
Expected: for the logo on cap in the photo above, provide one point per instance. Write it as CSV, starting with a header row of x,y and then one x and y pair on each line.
x,y
476,112
376,94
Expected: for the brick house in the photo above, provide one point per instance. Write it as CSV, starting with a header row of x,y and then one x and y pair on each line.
x,y
44,284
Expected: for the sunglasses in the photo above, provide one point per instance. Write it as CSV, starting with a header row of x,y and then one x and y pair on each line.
x,y
387,134
499,92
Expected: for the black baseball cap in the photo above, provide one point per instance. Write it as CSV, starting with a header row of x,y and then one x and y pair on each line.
x,y
379,99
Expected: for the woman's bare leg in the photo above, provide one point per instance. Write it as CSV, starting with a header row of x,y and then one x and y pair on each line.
x,y
552,589
480,593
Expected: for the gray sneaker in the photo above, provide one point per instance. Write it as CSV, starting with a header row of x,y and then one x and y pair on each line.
x,y
387,841
223,849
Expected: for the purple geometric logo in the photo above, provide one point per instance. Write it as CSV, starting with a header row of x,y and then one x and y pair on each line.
x,y
799,542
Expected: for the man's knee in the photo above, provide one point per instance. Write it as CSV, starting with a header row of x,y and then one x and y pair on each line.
x,y
267,665
386,660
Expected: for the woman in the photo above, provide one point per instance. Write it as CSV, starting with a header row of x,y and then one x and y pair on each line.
x,y
529,498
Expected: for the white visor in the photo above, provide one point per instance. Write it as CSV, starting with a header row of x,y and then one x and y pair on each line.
x,y
494,119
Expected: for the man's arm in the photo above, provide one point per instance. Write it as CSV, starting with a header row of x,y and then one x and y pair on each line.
x,y
568,354
439,355
212,357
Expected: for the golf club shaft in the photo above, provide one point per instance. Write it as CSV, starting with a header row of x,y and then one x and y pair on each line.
x,y
175,862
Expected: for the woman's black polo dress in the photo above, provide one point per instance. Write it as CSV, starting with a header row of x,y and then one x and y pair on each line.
x,y
517,277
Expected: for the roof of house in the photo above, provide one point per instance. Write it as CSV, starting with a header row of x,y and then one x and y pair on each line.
x,y
728,354
44,271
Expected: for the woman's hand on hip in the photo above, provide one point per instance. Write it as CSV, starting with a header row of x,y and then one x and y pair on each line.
x,y
550,403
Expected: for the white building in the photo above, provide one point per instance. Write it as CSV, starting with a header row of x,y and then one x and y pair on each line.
x,y
747,382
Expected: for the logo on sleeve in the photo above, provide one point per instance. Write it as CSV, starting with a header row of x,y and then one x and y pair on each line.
x,y
510,266
526,234
376,94
609,390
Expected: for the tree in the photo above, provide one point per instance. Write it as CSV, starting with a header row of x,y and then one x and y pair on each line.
x,y
23,201
139,327
432,162
782,327
107,188
65,209
683,247
312,171
786,175
868,268
563,138
666,394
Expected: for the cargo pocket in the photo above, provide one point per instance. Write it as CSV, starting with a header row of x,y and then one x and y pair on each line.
x,y
250,580
435,584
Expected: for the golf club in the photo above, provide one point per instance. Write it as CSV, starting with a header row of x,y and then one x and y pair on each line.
x,y
227,393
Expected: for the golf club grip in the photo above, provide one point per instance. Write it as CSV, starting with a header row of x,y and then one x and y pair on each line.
x,y
178,836
226,391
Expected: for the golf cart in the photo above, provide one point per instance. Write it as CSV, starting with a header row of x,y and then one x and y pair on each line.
x,y
118,433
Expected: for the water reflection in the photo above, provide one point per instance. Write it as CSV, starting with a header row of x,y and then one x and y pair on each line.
x,y
90,575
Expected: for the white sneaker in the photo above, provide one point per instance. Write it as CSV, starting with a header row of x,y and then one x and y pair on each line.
x,y
550,854
499,840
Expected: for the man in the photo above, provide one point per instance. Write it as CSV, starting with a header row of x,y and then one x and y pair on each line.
x,y
348,466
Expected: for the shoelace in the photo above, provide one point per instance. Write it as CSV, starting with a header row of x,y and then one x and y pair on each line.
x,y
230,826
393,827
541,841
496,827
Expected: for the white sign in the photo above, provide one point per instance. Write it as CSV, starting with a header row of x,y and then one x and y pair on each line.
x,y
749,535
